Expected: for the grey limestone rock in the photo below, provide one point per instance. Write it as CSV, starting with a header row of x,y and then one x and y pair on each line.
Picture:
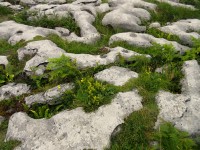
x,y
176,3
9,5
116,75
3,60
184,29
155,25
13,89
127,17
15,32
45,49
145,40
49,97
183,110
74,129
84,16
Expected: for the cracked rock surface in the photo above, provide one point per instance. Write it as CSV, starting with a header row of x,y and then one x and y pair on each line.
x,y
116,75
43,50
73,129
49,96
13,89
183,109
145,40
104,28
184,29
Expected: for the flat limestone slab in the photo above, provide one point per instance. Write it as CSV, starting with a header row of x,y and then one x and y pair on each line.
x,y
50,95
116,75
75,129
13,89
183,110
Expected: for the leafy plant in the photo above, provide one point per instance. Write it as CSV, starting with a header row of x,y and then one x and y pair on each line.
x,y
166,13
41,112
170,138
194,53
62,68
92,93
159,34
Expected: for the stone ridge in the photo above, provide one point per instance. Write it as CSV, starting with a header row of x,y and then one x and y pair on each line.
x,y
73,129
183,109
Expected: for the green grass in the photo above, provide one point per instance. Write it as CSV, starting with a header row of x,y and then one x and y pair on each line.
x,y
195,3
10,145
166,13
159,34
5,12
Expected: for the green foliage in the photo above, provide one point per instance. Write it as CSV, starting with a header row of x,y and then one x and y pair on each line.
x,y
159,34
47,22
195,3
39,111
170,138
62,68
137,131
5,76
91,93
166,13
5,11
10,145
194,53
135,63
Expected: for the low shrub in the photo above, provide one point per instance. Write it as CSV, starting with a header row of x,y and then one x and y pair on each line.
x,y
170,138
92,93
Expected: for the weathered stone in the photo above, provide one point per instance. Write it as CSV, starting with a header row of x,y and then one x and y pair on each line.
x,y
15,32
13,89
49,97
43,50
134,3
9,5
34,2
103,8
155,25
183,110
184,29
3,60
87,2
73,129
177,4
84,16
63,31
125,16
116,75
145,40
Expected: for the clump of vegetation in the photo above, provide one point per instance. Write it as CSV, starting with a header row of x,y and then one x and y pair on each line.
x,y
10,145
195,3
159,34
92,93
62,68
137,131
5,13
194,53
171,138
166,13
